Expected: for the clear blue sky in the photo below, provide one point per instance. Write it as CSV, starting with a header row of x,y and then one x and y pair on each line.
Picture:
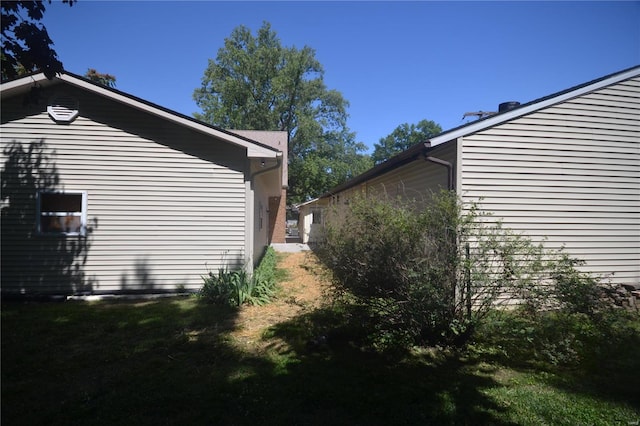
x,y
395,62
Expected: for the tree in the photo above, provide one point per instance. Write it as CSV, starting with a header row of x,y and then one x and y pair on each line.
x,y
26,46
256,83
100,78
404,136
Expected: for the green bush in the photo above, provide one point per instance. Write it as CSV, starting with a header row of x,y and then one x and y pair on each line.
x,y
575,291
403,266
227,287
235,287
562,338
428,274
265,279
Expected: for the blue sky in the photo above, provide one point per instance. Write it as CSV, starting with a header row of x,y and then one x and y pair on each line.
x,y
395,62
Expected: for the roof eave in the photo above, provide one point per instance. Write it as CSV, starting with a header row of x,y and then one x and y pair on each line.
x,y
407,156
535,105
254,149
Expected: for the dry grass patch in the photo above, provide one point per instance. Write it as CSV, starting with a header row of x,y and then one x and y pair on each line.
x,y
305,288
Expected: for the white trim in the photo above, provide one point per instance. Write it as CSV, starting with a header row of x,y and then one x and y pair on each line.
x,y
527,109
82,214
253,150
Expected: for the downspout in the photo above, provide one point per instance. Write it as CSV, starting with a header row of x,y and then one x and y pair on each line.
x,y
453,238
449,167
268,169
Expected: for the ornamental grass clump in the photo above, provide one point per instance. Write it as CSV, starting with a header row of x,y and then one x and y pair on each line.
x,y
236,287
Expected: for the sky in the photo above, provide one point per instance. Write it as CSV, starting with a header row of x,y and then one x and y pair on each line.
x,y
394,62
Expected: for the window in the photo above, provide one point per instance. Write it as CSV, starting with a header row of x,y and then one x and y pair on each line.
x,y
61,213
316,216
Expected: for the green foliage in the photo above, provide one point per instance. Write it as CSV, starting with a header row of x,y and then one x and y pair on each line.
x,y
402,265
100,78
430,273
266,277
255,83
235,287
562,339
227,287
402,137
26,45
575,291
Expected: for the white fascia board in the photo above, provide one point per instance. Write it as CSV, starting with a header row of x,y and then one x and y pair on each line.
x,y
527,109
253,150
306,203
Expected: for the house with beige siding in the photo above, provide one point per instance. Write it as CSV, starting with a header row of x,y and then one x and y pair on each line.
x,y
103,192
565,168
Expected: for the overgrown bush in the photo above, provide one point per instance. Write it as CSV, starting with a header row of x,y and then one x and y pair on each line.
x,y
235,287
562,338
428,274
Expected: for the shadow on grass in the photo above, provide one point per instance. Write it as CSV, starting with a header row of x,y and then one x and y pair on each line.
x,y
339,382
594,357
173,362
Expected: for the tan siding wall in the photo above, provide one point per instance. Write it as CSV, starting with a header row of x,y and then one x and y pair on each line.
x,y
165,204
417,179
570,172
261,217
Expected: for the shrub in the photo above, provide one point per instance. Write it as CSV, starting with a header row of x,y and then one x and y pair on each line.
x,y
265,279
428,274
575,291
562,338
403,266
235,287
227,287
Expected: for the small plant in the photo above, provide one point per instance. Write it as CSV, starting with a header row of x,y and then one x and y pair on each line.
x,y
265,279
227,287
235,287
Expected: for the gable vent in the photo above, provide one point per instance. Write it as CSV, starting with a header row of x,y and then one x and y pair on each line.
x,y
63,109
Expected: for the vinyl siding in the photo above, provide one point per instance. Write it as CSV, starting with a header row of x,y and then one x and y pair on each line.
x,y
164,203
570,173
417,179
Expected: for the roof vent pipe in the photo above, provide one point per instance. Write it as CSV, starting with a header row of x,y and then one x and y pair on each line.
x,y
508,106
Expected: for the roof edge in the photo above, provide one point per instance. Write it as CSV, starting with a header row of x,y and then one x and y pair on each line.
x,y
535,105
406,156
255,149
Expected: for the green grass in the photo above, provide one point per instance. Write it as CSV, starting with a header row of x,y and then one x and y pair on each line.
x,y
173,361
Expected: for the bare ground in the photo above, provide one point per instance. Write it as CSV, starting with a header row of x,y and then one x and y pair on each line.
x,y
304,289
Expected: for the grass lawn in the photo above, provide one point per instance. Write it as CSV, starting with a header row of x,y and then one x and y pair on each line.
x,y
176,361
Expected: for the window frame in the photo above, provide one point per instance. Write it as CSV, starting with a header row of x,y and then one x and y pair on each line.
x,y
82,214
316,216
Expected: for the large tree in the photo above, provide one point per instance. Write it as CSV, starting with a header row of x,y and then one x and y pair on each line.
x,y
256,83
402,137
26,45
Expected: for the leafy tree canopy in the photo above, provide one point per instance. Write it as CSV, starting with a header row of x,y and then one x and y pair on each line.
x,y
255,83
100,78
404,136
26,46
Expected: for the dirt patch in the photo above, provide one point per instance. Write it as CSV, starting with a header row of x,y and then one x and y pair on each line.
x,y
304,289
